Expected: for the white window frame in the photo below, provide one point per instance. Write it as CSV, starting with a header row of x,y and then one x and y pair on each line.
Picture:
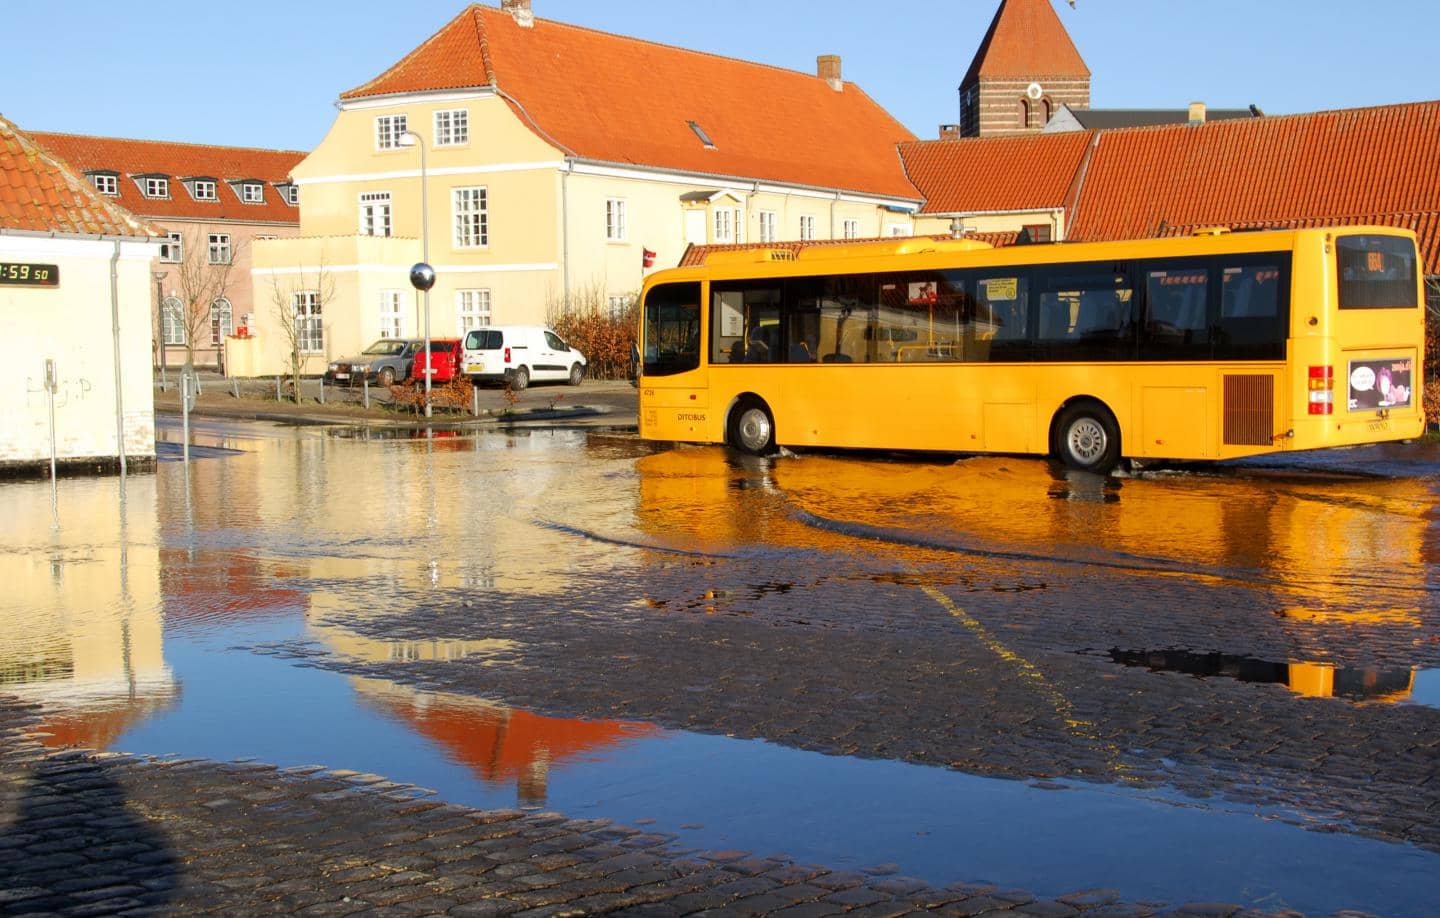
x,y
172,251
472,309
470,213
157,187
392,314
376,214
106,184
617,306
222,320
807,227
389,129
252,193
172,322
206,190
723,226
767,226
220,251
452,127
850,229
292,194
900,229
309,324
616,229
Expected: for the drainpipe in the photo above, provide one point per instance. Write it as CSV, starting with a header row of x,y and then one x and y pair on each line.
x,y
833,204
115,333
565,229
750,210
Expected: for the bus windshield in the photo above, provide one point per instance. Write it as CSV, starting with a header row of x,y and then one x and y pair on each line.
x,y
672,329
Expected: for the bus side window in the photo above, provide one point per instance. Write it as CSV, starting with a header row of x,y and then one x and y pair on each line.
x,y
1177,321
1254,314
1002,319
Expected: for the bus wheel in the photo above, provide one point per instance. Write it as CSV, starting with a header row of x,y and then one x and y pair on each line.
x,y
752,429
1086,438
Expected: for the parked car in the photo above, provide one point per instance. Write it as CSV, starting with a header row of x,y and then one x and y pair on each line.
x,y
519,354
386,361
442,362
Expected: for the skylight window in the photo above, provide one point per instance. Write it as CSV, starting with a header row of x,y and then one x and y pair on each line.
x,y
704,137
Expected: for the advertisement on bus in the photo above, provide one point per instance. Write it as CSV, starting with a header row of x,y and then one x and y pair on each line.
x,y
1382,383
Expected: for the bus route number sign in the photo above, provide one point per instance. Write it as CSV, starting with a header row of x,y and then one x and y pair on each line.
x,y
19,274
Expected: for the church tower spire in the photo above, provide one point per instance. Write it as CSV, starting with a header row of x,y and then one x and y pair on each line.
x,y
1026,68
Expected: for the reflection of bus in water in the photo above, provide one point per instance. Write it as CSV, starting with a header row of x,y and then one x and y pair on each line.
x,y
1325,556
1210,347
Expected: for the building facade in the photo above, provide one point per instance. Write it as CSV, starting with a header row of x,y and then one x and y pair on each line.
x,y
1026,69
213,204
560,164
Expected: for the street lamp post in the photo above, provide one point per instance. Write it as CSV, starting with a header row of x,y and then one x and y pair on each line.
x,y
160,315
422,276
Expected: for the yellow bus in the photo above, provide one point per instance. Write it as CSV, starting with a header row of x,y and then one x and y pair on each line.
x,y
1208,347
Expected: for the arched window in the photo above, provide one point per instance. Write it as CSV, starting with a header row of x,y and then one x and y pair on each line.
x,y
172,321
1024,113
1047,108
222,321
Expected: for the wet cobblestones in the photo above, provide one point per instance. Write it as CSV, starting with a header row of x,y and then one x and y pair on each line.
x,y
85,833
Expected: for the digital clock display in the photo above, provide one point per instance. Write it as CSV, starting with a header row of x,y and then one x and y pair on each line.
x,y
13,274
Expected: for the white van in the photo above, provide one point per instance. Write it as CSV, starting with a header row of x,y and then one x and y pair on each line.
x,y
519,354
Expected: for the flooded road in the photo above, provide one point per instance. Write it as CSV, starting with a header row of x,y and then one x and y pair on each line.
x,y
1214,685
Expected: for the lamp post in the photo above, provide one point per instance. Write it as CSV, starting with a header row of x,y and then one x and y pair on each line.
x,y
422,276
160,315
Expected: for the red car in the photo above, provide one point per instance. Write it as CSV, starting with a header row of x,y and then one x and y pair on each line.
x,y
442,361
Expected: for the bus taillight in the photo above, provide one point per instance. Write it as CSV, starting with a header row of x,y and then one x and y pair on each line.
x,y
1322,390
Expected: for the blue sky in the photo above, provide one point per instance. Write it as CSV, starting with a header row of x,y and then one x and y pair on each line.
x,y
266,72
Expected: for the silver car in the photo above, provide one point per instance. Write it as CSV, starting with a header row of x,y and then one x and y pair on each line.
x,y
387,361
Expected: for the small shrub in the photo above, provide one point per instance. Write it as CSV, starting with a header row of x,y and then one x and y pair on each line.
x,y
1432,402
608,342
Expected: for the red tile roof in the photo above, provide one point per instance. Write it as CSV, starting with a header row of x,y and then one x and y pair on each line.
x,y
183,160
695,255
613,99
1015,172
1026,41
1375,165
39,194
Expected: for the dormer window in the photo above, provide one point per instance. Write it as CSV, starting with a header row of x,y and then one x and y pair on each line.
x,y
203,189
289,192
154,186
106,183
252,193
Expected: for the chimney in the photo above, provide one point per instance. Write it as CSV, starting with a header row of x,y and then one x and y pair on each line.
x,y
520,9
949,132
1197,112
827,67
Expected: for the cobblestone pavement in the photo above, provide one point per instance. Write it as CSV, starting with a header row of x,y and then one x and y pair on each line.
x,y
99,834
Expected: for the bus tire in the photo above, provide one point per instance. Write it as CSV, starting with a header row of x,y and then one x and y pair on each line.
x,y
1087,438
752,427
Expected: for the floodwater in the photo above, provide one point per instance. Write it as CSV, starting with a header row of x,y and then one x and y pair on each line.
x,y
197,611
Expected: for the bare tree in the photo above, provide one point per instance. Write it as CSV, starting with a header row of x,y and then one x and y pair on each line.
x,y
204,277
299,311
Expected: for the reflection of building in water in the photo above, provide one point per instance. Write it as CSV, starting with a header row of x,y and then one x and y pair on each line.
x,y
81,629
1316,680
501,745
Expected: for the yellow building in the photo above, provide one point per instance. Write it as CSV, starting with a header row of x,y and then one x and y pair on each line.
x,y
558,164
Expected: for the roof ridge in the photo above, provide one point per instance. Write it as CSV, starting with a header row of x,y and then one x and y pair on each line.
x,y
1234,124
76,184
167,143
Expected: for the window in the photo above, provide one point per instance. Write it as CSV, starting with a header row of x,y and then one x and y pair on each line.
x,y
1376,272
222,321
106,183
292,194
899,229
220,253
1177,313
172,251
616,307
851,229
1037,232
157,187
807,228
700,133
1085,313
172,319
1002,317
1024,113
615,219
388,131
1254,308
472,308
252,193
375,213
471,220
724,225
309,332
204,190
767,226
452,127
672,329
391,316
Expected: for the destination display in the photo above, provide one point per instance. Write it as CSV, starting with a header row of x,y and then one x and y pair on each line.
x,y
18,274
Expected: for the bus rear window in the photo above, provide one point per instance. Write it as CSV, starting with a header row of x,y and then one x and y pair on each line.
x,y
672,329
1376,272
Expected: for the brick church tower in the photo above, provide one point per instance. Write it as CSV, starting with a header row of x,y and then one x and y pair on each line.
x,y
1026,68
